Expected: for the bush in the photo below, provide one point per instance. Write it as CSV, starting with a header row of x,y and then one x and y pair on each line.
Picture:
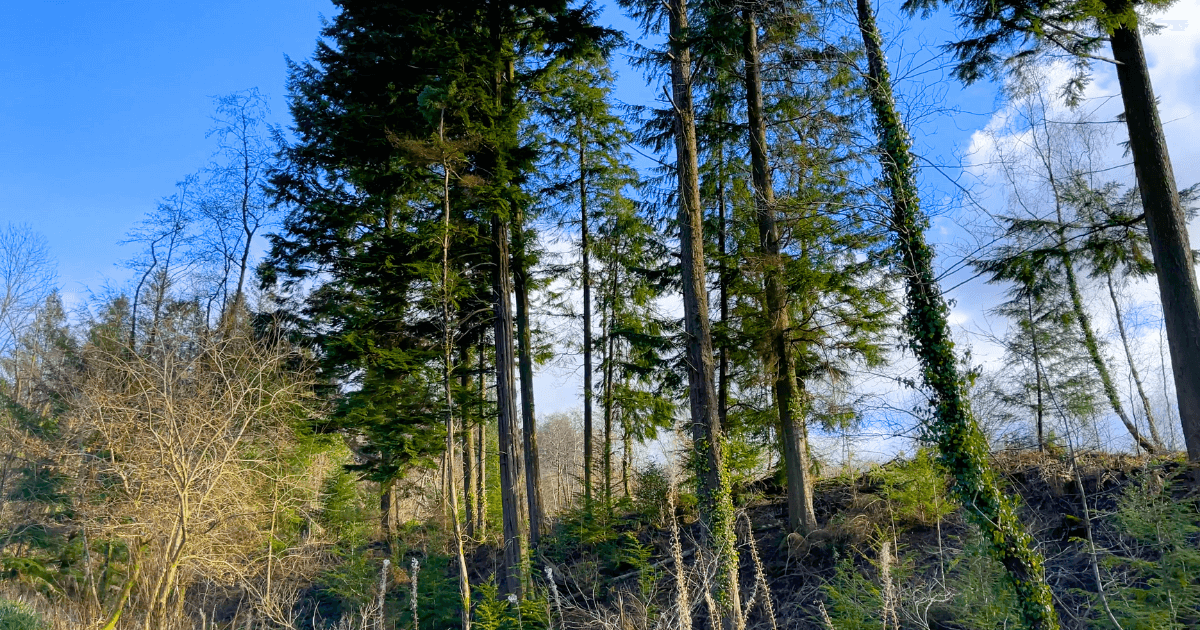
x,y
343,514
915,490
494,613
652,495
1159,583
16,616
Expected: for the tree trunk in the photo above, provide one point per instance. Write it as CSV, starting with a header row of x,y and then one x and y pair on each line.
x,y
1037,371
511,482
533,490
585,246
609,359
626,457
1081,315
716,509
450,483
723,279
481,455
962,448
468,438
1093,347
1167,226
1133,371
795,451
385,509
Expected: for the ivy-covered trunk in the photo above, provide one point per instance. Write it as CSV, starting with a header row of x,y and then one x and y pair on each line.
x,y
716,507
962,449
791,430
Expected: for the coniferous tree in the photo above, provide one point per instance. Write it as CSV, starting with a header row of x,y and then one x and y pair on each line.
x,y
584,132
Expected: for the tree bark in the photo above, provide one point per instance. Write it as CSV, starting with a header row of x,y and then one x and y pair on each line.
x,y
468,437
962,448
795,450
1133,371
1037,371
481,497
716,509
723,279
533,490
511,469
385,509
1167,226
609,359
585,246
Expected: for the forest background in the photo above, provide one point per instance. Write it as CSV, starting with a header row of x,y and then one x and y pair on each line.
x,y
245,384
110,105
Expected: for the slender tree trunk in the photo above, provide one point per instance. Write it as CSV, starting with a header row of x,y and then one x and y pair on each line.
x,y
511,468
385,509
481,497
795,450
1166,223
468,437
1093,347
533,488
716,508
723,278
626,456
123,598
609,359
464,587
962,448
1133,371
1037,370
1090,342
585,246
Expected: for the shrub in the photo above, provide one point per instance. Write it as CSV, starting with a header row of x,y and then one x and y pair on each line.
x,y
651,498
16,616
915,490
1158,584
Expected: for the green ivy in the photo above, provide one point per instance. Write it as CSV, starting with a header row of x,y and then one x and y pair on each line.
x,y
963,452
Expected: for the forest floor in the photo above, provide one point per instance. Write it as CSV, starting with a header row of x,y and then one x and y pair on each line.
x,y
934,573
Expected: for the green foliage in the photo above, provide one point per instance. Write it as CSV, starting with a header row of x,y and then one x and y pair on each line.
x,y
342,511
854,600
982,598
494,613
652,495
17,616
347,586
439,604
1159,583
915,490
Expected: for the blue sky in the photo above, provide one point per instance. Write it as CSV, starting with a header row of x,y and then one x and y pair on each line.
x,y
106,103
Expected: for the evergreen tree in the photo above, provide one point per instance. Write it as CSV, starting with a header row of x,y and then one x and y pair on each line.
x,y
583,132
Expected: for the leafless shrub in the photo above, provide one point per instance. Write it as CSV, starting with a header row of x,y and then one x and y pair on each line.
x,y
178,459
